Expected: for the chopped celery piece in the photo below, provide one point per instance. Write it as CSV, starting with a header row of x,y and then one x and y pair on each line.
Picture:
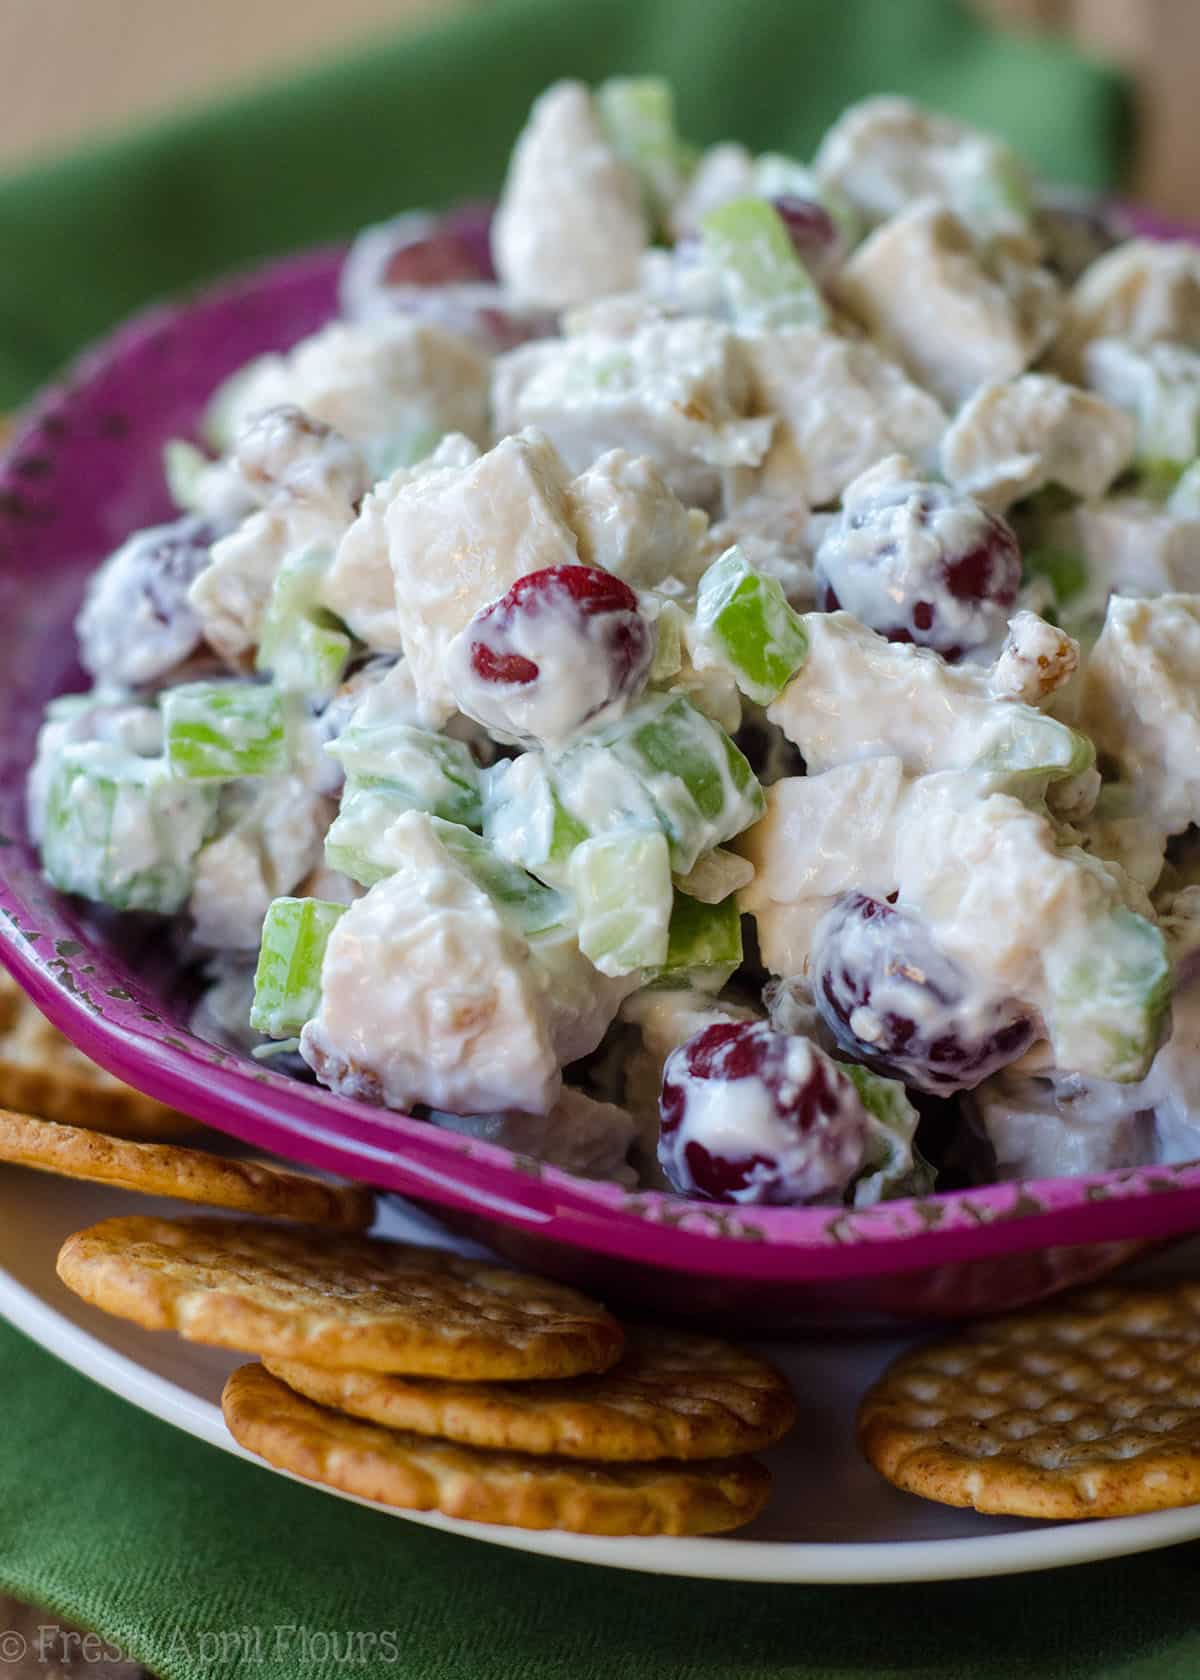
x,y
1184,500
184,467
1035,745
121,830
1110,991
287,982
765,282
715,875
525,821
221,731
1064,570
621,884
638,114
779,176
744,619
302,646
668,642
356,843
896,1168
534,908
704,945
420,770
701,786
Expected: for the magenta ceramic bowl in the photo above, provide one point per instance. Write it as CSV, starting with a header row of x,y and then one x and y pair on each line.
x,y
82,471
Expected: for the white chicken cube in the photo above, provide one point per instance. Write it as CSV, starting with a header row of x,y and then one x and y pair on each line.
x,y
840,407
1016,435
956,312
359,586
1141,703
627,520
459,536
272,839
428,994
1144,291
1158,388
1131,545
887,151
394,386
570,224
679,391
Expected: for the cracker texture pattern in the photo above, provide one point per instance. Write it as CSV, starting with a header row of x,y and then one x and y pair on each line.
x,y
672,1395
1088,1409
189,1175
415,1473
42,1073
299,1293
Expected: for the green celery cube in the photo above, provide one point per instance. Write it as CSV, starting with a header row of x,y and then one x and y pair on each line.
x,y
704,946
525,820
530,906
287,982
423,771
702,787
121,830
638,114
744,618
1038,747
222,731
766,283
1110,993
622,887
302,646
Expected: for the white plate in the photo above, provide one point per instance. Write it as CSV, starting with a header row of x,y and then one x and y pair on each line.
x,y
830,1518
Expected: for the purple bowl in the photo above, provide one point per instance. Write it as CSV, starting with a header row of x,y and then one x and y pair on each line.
x,y
82,471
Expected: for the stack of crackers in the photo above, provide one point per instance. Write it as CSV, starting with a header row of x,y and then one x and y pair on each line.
x,y
411,1376
426,1381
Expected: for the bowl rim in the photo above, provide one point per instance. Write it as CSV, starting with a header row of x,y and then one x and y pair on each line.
x,y
242,1098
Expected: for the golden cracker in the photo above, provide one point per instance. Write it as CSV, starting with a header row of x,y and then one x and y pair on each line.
x,y
415,1473
1089,1409
188,1175
331,1300
672,1395
42,1073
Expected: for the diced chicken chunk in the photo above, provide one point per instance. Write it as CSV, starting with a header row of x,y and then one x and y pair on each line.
x,y
1141,703
394,386
459,536
956,313
272,840
884,152
1131,545
840,406
570,224
359,585
1014,436
1144,291
429,995
1158,387
286,452
230,597
679,391
627,520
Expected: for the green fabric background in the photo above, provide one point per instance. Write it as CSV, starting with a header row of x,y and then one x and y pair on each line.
x,y
164,1544
430,118
156,1540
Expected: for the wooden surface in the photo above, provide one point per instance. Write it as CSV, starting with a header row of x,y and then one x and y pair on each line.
x,y
73,68
1158,41
38,1646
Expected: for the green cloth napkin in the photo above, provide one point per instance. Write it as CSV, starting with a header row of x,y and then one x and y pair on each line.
x,y
191,1560
166,1546
430,118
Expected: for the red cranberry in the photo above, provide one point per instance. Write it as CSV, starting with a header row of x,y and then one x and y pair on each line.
x,y
551,654
750,1114
894,1001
